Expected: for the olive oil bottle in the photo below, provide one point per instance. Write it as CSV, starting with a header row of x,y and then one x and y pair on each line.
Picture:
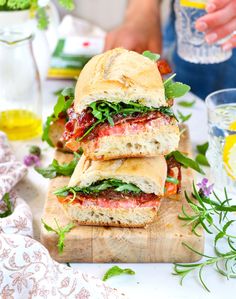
x,y
20,90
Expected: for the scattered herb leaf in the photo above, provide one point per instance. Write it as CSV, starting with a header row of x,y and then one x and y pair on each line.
x,y
186,104
202,160
116,271
183,118
35,150
175,89
201,157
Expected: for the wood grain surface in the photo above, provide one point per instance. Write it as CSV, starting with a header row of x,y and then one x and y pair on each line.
x,y
159,242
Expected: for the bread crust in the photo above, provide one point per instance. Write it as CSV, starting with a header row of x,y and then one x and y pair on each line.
x,y
149,174
116,217
120,75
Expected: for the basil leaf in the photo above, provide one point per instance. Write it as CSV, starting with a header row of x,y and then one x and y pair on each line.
x,y
202,148
202,160
152,56
55,169
186,104
176,90
116,271
9,208
183,118
185,161
172,180
46,128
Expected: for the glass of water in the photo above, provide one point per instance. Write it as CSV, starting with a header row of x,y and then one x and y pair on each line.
x,y
221,154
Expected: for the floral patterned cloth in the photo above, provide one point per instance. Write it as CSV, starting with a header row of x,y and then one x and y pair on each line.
x,y
26,268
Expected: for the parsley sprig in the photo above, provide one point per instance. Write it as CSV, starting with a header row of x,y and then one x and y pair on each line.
x,y
60,231
212,215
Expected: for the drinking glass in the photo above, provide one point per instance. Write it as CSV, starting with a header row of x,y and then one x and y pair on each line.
x,y
221,154
191,44
20,90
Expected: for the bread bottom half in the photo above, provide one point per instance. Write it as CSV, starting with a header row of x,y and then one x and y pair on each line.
x,y
145,144
119,217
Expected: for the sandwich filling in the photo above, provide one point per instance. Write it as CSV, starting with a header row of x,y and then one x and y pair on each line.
x,y
104,118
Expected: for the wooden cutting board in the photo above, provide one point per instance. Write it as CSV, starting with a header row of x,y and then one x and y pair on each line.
x,y
159,242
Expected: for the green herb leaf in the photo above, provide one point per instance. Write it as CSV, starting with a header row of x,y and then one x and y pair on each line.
x,y
9,209
55,169
186,104
175,89
116,185
172,180
202,148
202,160
185,161
183,118
152,56
60,231
116,271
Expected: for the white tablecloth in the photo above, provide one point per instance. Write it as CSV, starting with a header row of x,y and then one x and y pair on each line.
x,y
151,280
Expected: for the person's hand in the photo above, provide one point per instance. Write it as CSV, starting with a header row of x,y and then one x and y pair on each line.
x,y
219,22
139,34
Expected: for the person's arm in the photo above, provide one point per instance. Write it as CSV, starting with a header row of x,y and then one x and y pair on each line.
x,y
141,29
219,22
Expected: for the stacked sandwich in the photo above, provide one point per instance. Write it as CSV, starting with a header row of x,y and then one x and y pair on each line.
x,y
123,121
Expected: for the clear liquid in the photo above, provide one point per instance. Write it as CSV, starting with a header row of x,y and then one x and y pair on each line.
x,y
20,124
220,120
191,44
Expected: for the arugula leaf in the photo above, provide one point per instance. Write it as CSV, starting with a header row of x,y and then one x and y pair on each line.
x,y
185,161
116,185
152,56
60,231
115,271
9,210
187,104
202,160
201,157
202,148
182,117
64,101
55,169
175,89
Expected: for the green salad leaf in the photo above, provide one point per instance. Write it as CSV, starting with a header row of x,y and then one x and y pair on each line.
x,y
64,101
202,148
55,169
201,157
185,161
115,271
116,185
186,104
202,160
9,208
175,89
183,118
60,231
152,56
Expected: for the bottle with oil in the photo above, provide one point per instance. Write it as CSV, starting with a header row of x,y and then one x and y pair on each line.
x,y
20,90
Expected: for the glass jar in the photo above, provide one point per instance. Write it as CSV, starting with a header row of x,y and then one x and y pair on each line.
x,y
191,44
20,90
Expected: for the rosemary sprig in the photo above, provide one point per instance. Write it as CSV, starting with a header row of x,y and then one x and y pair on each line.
x,y
212,215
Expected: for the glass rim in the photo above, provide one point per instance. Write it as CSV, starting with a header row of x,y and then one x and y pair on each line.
x,y
208,98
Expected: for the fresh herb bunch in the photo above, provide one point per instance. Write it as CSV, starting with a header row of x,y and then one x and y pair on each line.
x,y
116,185
116,271
40,12
55,169
212,215
9,208
64,101
60,231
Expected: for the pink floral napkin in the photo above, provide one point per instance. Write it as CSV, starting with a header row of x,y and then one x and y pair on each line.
x,y
26,268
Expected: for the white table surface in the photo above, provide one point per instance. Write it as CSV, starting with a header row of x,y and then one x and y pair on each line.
x,y
152,281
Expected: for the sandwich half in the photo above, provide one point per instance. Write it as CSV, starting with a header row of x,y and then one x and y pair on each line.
x,y
123,193
120,109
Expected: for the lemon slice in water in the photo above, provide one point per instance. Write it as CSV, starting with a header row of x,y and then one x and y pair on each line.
x,y
229,153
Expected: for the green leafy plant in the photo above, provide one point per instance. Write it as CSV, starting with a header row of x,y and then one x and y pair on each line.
x,y
175,89
64,101
212,216
201,156
186,104
9,208
60,231
116,185
183,118
55,169
40,12
185,161
116,271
